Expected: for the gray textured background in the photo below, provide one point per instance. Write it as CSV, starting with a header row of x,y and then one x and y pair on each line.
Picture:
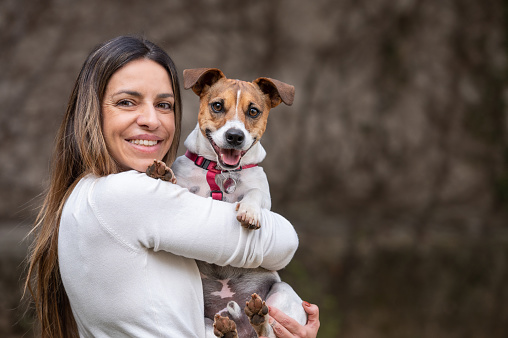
x,y
392,163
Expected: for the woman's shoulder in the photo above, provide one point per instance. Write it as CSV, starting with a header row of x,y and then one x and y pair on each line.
x,y
129,186
120,180
125,180
126,176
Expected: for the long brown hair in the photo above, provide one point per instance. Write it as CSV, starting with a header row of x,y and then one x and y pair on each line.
x,y
81,149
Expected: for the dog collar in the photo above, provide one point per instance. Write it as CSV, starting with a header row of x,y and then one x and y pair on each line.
x,y
211,168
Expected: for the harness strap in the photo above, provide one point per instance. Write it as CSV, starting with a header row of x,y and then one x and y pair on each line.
x,y
211,167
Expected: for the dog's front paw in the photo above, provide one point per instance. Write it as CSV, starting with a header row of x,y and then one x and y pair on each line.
x,y
248,216
160,170
224,327
256,310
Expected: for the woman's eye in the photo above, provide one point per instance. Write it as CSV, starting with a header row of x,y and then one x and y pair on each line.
x,y
217,107
125,103
254,112
165,106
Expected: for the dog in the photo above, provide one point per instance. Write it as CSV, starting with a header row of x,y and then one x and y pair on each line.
x,y
221,161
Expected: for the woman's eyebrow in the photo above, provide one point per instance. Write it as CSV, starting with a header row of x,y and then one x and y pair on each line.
x,y
138,94
165,95
128,92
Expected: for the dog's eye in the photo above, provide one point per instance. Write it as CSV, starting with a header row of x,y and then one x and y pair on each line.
x,y
217,107
254,112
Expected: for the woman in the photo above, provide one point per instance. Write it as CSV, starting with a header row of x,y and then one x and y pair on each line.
x,y
115,249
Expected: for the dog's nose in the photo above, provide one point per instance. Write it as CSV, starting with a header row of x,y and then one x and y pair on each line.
x,y
235,137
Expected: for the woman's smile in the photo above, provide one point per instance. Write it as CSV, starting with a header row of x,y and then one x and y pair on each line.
x,y
146,142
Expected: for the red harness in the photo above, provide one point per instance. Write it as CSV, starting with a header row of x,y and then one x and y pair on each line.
x,y
211,167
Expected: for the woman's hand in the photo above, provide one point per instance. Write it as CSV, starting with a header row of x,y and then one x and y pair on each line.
x,y
286,327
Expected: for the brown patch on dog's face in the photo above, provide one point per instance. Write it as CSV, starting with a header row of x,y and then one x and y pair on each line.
x,y
233,114
231,99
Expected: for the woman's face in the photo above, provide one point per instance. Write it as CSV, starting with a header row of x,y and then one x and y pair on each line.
x,y
138,116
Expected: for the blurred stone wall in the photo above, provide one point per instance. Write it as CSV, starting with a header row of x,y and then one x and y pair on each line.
x,y
398,132
399,104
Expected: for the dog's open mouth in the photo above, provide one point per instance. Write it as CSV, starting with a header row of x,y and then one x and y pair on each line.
x,y
227,158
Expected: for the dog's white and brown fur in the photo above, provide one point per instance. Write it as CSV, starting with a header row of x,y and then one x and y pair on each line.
x,y
232,119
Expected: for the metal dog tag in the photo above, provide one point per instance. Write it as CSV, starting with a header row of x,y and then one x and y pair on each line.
x,y
229,185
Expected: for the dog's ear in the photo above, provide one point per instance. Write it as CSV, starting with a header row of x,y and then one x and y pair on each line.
x,y
199,78
276,90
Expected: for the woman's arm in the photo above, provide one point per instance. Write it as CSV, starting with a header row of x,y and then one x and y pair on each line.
x,y
142,212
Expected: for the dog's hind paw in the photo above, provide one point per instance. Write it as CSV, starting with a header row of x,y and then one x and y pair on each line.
x,y
224,327
247,217
256,310
160,170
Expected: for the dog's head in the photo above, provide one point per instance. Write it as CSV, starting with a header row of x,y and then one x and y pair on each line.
x,y
233,114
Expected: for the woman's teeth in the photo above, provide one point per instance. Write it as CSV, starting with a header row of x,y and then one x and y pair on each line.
x,y
145,143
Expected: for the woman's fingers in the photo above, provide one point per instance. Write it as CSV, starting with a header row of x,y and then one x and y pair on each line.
x,y
285,326
279,330
313,318
283,319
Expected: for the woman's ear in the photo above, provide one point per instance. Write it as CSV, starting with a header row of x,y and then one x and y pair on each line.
x,y
200,79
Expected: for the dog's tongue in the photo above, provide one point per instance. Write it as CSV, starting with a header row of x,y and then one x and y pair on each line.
x,y
230,156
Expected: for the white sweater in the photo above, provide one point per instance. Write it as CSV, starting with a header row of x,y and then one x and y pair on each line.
x,y
126,251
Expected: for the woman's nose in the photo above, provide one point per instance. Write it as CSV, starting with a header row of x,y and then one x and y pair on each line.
x,y
148,118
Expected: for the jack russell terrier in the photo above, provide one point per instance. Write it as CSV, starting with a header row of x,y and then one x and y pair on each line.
x,y
221,161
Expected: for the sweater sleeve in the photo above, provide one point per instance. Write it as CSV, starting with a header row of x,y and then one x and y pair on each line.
x,y
143,213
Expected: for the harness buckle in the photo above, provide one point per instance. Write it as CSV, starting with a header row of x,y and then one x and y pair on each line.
x,y
202,162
